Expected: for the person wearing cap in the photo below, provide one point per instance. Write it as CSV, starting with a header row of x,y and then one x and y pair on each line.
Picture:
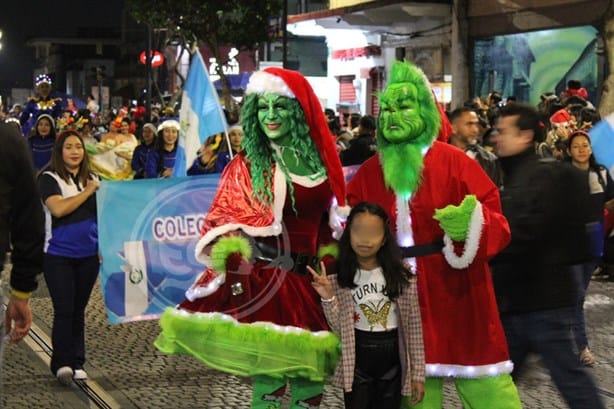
x,y
253,311
601,196
161,160
43,103
139,156
41,141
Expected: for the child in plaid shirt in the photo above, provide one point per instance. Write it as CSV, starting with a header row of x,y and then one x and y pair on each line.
x,y
372,304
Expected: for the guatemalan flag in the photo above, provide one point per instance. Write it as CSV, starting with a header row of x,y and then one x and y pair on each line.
x,y
201,114
602,142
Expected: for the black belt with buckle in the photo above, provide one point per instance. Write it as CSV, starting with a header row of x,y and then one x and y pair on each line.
x,y
422,249
299,261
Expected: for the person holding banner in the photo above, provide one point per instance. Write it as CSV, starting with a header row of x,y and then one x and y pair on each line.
x,y
70,266
253,311
162,158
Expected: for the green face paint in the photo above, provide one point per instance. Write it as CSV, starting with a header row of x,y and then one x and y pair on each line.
x,y
273,117
400,119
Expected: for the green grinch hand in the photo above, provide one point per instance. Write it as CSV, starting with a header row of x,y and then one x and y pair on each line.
x,y
454,220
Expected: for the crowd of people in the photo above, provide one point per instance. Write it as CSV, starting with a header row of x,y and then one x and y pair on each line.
x,y
482,178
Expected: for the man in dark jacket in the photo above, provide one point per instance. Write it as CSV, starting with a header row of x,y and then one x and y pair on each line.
x,y
465,131
363,146
22,227
543,202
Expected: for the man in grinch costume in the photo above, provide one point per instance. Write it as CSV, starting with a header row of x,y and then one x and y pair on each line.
x,y
447,215
253,311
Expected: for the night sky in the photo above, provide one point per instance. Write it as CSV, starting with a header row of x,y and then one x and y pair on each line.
x,y
22,20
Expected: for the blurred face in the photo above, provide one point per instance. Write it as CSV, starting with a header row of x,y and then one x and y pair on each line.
x,y
170,136
43,127
510,140
273,116
580,150
400,119
148,135
366,235
466,128
125,128
72,153
236,136
43,89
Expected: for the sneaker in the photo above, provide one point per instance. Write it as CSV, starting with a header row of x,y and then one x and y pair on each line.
x,y
587,358
64,375
80,375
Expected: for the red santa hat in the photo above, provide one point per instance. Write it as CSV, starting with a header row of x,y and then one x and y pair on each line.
x,y
293,84
560,118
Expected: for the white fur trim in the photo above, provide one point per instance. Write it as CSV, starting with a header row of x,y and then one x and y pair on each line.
x,y
472,243
262,82
469,371
169,123
279,198
194,293
337,216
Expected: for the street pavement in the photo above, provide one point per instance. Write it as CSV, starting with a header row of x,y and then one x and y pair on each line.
x,y
124,364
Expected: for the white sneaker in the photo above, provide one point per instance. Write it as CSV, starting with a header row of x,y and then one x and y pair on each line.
x,y
64,375
80,375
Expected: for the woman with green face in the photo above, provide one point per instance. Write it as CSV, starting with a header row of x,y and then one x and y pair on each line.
x,y
263,318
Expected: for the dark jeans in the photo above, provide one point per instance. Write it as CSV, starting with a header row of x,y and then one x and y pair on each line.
x,y
582,274
70,282
377,375
549,334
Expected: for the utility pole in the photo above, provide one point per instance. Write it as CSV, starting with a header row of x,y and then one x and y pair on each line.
x,y
100,75
148,58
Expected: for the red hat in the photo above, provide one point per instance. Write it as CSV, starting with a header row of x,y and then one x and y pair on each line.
x,y
293,84
560,117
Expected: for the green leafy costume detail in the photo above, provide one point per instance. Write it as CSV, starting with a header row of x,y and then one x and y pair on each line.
x,y
454,220
226,246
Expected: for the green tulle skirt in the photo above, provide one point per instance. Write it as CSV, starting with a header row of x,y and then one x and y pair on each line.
x,y
237,348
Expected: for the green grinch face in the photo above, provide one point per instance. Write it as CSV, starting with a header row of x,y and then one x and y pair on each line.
x,y
273,116
399,119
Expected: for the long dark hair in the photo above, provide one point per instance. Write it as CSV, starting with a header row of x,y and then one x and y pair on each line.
x,y
592,162
388,256
57,160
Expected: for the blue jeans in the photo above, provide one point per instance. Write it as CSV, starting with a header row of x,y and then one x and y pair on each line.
x,y
582,274
549,334
70,282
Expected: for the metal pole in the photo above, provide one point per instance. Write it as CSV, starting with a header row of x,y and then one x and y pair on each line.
x,y
148,58
284,40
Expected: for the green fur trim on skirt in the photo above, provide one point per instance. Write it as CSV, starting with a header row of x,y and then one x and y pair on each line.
x,y
264,348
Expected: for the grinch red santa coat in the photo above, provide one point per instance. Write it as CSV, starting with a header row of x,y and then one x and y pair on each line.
x,y
462,332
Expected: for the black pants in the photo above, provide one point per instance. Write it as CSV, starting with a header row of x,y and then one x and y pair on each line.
x,y
377,376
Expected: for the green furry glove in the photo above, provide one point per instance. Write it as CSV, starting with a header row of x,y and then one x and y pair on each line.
x,y
227,246
454,220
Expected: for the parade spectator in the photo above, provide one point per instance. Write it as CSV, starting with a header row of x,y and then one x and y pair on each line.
x,y
235,136
533,277
382,358
92,105
21,229
71,261
601,195
362,146
139,156
41,141
160,160
465,131
574,87
343,140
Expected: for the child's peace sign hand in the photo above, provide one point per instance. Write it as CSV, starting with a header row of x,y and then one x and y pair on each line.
x,y
321,283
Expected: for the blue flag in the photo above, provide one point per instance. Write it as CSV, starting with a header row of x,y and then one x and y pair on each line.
x,y
201,114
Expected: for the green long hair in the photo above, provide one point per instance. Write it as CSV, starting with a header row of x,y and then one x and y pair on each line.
x,y
402,162
262,156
